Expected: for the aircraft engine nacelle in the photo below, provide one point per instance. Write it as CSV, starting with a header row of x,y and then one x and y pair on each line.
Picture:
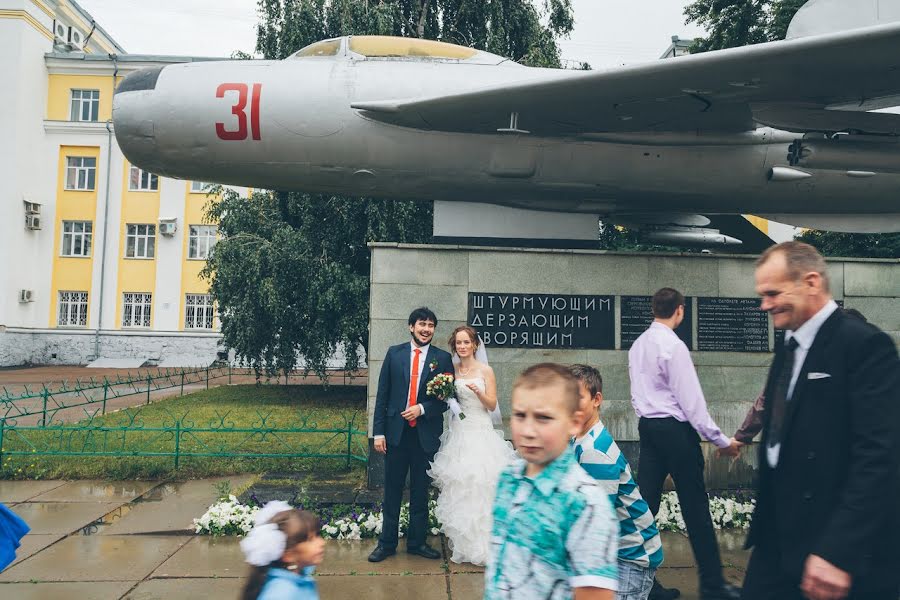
x,y
845,155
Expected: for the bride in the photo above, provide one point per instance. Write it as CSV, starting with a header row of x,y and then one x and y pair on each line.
x,y
471,455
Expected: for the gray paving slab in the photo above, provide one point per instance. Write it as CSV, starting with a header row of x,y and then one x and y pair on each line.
x,y
380,587
349,557
21,491
97,558
32,543
61,517
171,507
686,580
467,586
185,589
96,491
206,557
677,550
65,591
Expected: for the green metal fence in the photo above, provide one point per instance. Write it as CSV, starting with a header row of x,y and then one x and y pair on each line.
x,y
94,395
41,422
179,437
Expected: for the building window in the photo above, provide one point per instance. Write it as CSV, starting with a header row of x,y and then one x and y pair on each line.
x,y
136,309
140,241
76,240
73,309
201,240
85,105
200,187
81,172
142,181
198,311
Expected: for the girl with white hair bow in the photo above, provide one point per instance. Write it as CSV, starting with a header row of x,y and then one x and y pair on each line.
x,y
283,549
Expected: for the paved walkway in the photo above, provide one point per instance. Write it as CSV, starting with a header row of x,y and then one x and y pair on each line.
x,y
108,540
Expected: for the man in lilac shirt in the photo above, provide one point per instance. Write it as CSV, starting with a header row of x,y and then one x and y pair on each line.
x,y
666,396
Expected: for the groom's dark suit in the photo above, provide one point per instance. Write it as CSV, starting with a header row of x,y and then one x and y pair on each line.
x,y
834,490
408,448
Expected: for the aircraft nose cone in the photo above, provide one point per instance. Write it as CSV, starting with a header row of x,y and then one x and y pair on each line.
x,y
133,118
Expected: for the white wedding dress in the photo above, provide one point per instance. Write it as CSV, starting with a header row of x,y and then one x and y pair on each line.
x,y
465,469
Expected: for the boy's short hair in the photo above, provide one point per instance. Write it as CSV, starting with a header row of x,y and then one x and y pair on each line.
x,y
423,313
549,374
589,376
665,302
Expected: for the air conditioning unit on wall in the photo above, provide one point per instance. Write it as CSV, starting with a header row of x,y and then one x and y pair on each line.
x,y
32,221
26,296
167,227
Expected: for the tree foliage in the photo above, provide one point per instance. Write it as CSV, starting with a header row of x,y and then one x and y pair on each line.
x,y
731,23
291,272
524,30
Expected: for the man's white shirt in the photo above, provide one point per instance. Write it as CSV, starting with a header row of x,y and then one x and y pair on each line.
x,y
805,336
423,352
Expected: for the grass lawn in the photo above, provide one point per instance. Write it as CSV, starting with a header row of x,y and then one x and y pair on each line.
x,y
211,422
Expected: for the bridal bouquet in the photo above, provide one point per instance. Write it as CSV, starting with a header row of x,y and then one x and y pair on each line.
x,y
442,387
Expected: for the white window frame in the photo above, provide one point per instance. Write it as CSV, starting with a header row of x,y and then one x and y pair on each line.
x,y
81,173
72,309
199,311
85,101
201,240
140,180
77,238
140,240
137,310
199,187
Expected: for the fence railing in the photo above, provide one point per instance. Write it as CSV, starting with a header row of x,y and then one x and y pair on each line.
x,y
97,393
179,437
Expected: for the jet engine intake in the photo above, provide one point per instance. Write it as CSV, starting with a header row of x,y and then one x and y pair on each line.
x,y
845,155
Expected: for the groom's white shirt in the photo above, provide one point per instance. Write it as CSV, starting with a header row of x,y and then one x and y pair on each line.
x,y
412,357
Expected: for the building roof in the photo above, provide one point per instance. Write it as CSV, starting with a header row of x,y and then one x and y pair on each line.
x,y
90,19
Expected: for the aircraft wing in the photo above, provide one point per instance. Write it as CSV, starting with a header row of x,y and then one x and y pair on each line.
x,y
790,83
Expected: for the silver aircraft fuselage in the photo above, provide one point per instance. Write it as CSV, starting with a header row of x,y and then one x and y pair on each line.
x,y
289,125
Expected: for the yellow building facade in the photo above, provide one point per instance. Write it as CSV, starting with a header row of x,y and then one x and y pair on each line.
x,y
100,259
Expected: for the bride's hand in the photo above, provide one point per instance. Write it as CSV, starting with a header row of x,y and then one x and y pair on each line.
x,y
474,388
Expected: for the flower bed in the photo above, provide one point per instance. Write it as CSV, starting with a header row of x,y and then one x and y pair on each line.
x,y
230,517
727,513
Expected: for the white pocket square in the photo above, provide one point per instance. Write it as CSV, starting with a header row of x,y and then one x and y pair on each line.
x,y
818,376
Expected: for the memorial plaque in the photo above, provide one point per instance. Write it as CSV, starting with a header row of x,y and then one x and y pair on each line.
x,y
731,325
543,320
637,315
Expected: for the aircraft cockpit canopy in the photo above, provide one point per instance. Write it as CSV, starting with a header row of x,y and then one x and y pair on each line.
x,y
382,47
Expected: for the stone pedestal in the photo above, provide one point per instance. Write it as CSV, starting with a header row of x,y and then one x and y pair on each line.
x,y
443,276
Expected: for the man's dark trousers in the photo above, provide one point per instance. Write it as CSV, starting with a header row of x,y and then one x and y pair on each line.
x,y
669,446
409,457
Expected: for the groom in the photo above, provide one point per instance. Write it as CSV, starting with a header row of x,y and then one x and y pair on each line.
x,y
407,428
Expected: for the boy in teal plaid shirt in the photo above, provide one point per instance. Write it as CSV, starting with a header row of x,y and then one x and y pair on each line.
x,y
555,535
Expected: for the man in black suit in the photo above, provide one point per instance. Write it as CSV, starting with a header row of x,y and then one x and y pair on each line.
x,y
407,428
826,523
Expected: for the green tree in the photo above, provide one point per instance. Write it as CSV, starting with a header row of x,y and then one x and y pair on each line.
x,y
291,272
731,23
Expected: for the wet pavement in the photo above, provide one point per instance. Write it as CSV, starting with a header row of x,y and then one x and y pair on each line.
x,y
110,540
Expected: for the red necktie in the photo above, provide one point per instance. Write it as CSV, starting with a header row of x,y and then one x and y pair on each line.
x,y
414,382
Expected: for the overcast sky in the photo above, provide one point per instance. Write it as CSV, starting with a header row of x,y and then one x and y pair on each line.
x,y
607,32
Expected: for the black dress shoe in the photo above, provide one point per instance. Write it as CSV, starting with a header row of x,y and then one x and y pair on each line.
x,y
380,553
425,551
658,592
726,592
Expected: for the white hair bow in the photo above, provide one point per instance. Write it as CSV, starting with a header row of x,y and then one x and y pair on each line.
x,y
265,543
